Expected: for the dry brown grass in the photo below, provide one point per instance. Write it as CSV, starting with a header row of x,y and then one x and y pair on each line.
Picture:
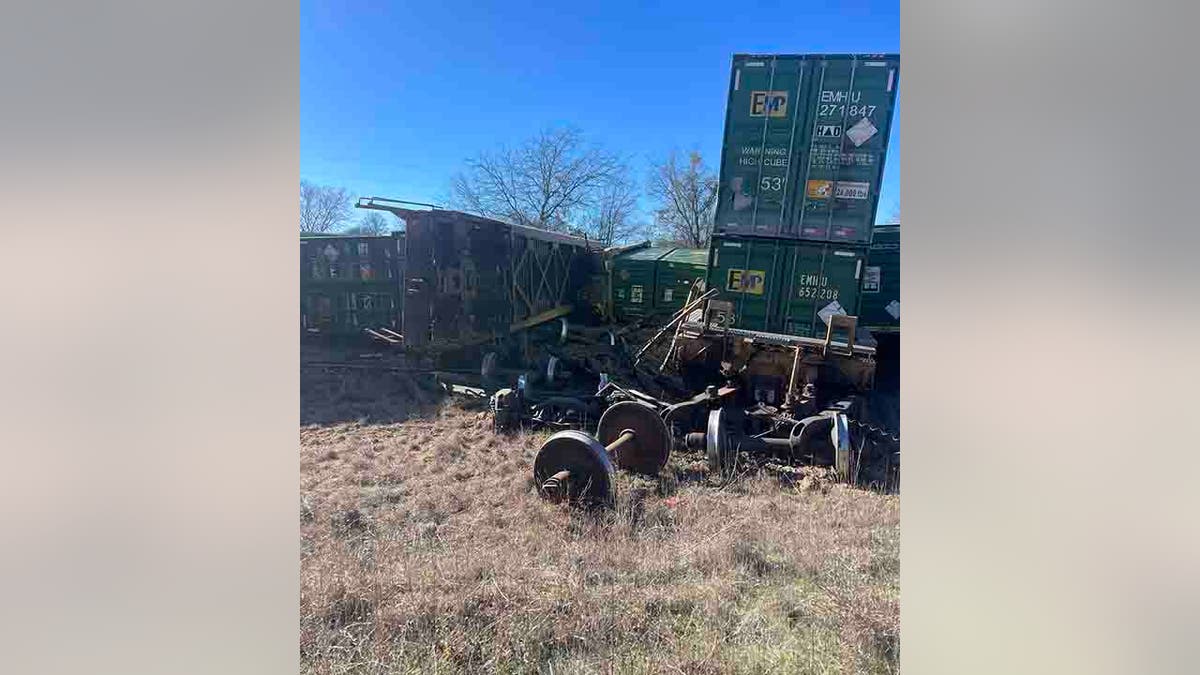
x,y
425,549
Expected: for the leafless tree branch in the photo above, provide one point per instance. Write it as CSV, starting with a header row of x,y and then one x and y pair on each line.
x,y
371,224
323,208
612,217
686,199
547,181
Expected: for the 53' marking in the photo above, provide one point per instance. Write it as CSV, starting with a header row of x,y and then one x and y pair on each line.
x,y
771,183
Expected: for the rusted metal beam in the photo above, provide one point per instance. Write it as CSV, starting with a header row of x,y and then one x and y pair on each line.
x,y
676,319
385,204
548,315
675,338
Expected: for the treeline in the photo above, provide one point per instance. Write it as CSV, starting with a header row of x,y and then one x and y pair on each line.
x,y
557,180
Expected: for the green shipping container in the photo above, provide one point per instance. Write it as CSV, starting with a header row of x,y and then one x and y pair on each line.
x,y
349,283
632,282
881,282
786,286
674,276
655,280
805,141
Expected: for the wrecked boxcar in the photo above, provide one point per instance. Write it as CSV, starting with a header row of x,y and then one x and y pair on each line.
x,y
473,282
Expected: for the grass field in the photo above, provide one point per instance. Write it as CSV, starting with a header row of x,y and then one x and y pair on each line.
x,y
425,549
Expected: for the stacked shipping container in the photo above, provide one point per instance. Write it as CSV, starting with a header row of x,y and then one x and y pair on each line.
x,y
784,285
805,142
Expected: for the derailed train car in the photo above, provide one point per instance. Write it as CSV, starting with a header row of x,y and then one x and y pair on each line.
x,y
350,284
470,282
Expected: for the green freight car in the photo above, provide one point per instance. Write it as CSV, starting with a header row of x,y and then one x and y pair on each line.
x,y
785,286
632,282
805,141
350,283
654,281
880,311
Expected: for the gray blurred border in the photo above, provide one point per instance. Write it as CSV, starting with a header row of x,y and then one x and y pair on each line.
x,y
149,487
1049,379
150,402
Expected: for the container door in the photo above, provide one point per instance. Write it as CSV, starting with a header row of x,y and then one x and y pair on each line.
x,y
764,128
823,280
633,280
676,272
641,287
849,104
654,282
633,284
670,287
747,273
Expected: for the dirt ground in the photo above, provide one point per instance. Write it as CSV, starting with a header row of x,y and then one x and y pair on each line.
x,y
426,549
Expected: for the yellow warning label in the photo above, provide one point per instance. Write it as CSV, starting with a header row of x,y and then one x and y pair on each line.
x,y
819,189
746,281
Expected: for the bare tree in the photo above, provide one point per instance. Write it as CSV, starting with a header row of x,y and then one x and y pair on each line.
x,y
545,182
686,199
323,208
372,224
611,218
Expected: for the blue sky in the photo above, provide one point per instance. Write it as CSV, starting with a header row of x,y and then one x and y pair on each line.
x,y
394,96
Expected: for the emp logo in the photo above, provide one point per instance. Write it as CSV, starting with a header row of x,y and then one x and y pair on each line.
x,y
746,281
768,103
